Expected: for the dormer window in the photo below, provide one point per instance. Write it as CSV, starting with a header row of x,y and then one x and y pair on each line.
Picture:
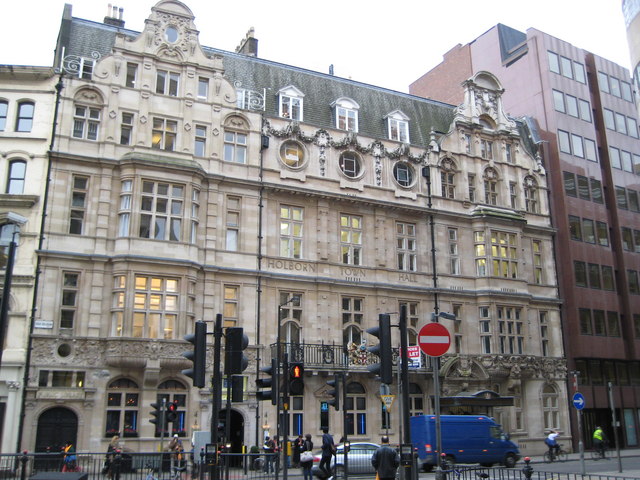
x,y
398,126
290,103
346,111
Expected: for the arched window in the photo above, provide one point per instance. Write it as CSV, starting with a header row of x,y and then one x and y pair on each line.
x,y
531,194
16,177
550,412
174,391
122,408
24,120
4,106
356,418
352,334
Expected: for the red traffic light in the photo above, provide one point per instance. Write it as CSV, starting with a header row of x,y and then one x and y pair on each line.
x,y
296,371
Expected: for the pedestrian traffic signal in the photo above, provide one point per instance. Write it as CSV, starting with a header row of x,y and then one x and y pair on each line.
x,y
270,382
234,361
158,414
296,379
384,369
172,411
335,391
198,355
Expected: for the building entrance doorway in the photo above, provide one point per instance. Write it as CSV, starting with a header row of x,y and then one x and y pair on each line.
x,y
236,430
56,426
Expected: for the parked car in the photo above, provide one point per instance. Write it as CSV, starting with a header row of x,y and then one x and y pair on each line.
x,y
358,459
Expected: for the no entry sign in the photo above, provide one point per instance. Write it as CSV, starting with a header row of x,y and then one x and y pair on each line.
x,y
434,339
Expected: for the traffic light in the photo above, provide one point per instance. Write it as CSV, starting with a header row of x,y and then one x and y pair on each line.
x,y
384,369
234,361
198,355
158,413
335,391
296,378
172,411
269,382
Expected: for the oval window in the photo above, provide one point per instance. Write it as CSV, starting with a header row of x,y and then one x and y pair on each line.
x,y
64,350
403,173
171,34
350,164
292,154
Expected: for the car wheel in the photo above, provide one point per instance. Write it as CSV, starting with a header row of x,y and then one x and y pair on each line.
x,y
510,460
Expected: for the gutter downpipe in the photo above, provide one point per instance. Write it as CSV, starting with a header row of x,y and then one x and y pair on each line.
x,y
36,282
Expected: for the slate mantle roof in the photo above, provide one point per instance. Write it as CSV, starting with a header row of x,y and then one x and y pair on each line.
x,y
84,37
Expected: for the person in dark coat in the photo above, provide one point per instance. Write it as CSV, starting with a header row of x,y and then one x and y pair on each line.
x,y
328,449
385,460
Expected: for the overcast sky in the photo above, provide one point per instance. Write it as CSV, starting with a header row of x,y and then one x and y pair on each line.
x,y
384,43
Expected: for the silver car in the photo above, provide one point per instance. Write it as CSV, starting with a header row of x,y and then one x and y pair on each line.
x,y
358,456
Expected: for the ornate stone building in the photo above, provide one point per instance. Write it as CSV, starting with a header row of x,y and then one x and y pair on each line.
x,y
188,181
27,99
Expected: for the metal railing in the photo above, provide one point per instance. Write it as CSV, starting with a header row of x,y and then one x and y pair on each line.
x,y
335,357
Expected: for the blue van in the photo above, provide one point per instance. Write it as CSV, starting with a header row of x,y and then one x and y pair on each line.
x,y
465,439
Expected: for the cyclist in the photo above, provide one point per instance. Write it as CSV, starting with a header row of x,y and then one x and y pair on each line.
x,y
599,439
552,443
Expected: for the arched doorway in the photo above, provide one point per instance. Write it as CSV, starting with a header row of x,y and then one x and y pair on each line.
x,y
56,426
236,432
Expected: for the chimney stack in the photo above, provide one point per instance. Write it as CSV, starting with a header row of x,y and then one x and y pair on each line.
x,y
114,16
249,45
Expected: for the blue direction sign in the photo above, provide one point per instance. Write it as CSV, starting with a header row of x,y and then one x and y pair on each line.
x,y
578,400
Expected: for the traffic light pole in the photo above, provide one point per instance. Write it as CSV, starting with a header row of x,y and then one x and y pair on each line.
x,y
285,416
404,378
216,390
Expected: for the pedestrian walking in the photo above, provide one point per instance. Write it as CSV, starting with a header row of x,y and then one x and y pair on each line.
x,y
306,457
112,449
385,460
328,450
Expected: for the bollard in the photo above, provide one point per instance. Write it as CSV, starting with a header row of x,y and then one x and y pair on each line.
x,y
201,469
23,460
116,462
527,470
441,473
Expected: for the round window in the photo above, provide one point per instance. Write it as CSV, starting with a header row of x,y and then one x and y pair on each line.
x,y
64,350
292,154
403,173
171,34
350,164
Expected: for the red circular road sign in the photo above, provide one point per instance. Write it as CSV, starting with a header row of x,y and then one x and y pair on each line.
x,y
434,339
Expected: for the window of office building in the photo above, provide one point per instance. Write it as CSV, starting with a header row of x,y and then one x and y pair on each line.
x,y
351,239
155,309
122,413
356,418
232,223
510,330
167,83
161,210
86,122
77,212
291,231
16,177
164,134
69,300
126,128
406,246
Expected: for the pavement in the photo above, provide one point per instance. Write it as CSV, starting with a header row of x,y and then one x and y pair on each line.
x,y
612,460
